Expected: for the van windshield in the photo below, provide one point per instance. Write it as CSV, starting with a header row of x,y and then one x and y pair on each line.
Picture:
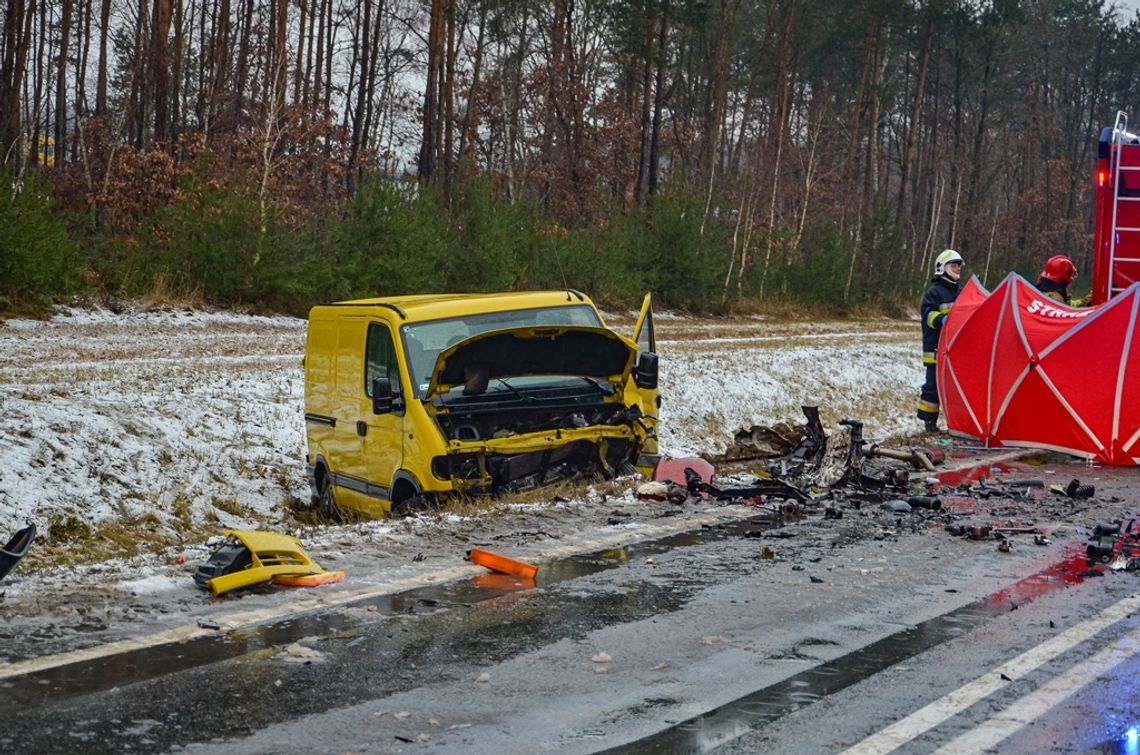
x,y
424,340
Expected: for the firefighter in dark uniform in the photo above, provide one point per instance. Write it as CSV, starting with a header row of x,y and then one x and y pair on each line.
x,y
936,304
1054,282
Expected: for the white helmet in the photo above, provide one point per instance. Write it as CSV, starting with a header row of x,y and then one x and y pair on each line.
x,y
944,259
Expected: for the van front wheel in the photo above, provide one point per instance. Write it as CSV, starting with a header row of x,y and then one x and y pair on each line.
x,y
412,504
326,502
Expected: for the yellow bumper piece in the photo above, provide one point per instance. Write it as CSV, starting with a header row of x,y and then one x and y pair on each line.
x,y
273,554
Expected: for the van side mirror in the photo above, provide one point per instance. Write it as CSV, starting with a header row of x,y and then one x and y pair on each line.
x,y
645,373
382,398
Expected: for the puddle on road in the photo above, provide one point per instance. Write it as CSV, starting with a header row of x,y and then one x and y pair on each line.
x,y
31,690
753,711
515,616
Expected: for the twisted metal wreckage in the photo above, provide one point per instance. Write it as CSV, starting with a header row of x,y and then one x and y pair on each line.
x,y
805,468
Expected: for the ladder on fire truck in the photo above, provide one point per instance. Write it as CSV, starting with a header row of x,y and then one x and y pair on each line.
x,y
1116,235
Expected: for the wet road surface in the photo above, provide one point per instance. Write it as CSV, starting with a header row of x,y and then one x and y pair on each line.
x,y
685,644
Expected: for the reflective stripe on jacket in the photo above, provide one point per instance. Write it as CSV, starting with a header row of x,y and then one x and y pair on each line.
x,y
936,304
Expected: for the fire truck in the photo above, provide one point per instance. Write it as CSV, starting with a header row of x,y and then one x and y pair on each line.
x,y
1116,237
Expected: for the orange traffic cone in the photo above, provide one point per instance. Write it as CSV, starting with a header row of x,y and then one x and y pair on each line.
x,y
500,563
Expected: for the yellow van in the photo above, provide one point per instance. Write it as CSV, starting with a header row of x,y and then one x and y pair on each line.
x,y
411,400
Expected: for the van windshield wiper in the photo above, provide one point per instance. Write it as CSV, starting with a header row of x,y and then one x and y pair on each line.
x,y
606,388
510,388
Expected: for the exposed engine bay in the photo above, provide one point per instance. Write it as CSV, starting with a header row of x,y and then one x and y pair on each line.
x,y
506,413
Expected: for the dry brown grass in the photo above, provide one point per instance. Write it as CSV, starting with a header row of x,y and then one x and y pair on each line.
x,y
162,294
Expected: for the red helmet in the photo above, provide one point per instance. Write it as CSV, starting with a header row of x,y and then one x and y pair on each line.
x,y
1060,269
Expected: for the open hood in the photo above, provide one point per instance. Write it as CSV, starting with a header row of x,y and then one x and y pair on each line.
x,y
580,351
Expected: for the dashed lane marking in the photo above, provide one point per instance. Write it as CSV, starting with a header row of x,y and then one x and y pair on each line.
x,y
1020,714
949,705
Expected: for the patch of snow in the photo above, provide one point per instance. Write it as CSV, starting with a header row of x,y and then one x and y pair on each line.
x,y
174,420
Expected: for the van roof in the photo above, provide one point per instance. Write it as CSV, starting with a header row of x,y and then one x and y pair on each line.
x,y
436,306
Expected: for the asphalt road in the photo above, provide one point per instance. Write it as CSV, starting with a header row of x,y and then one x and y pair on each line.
x,y
871,632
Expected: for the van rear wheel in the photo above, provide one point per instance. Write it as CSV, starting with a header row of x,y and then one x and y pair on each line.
x,y
326,502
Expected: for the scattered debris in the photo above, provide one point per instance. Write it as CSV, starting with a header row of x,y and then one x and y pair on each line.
x,y
298,653
676,470
252,557
1074,489
1014,530
930,502
501,563
666,490
16,549
1116,544
309,580
756,490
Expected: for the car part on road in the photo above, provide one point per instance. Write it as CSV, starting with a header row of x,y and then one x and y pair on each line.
x,y
16,549
500,563
758,489
666,490
251,557
309,580
1116,544
1076,490
934,503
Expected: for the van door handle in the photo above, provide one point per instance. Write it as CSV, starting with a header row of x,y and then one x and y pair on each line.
x,y
361,428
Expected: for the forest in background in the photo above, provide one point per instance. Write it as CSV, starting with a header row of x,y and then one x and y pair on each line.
x,y
726,154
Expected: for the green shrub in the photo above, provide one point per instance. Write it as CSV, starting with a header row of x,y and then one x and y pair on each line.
x,y
37,257
492,238
394,240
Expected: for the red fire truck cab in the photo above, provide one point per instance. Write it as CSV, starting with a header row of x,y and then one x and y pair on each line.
x,y
1116,233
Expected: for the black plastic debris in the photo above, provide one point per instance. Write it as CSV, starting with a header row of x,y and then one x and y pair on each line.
x,y
1076,490
229,558
758,489
932,502
1117,544
16,549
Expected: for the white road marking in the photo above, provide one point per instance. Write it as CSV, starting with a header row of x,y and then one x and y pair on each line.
x,y
321,601
330,600
1032,706
953,703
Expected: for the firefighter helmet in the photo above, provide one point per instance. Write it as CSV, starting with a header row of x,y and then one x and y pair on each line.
x,y
944,259
1060,269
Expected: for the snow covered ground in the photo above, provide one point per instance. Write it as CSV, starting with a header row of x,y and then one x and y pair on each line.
x,y
158,426
132,439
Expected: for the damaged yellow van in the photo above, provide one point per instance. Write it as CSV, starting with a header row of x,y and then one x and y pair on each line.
x,y
411,400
